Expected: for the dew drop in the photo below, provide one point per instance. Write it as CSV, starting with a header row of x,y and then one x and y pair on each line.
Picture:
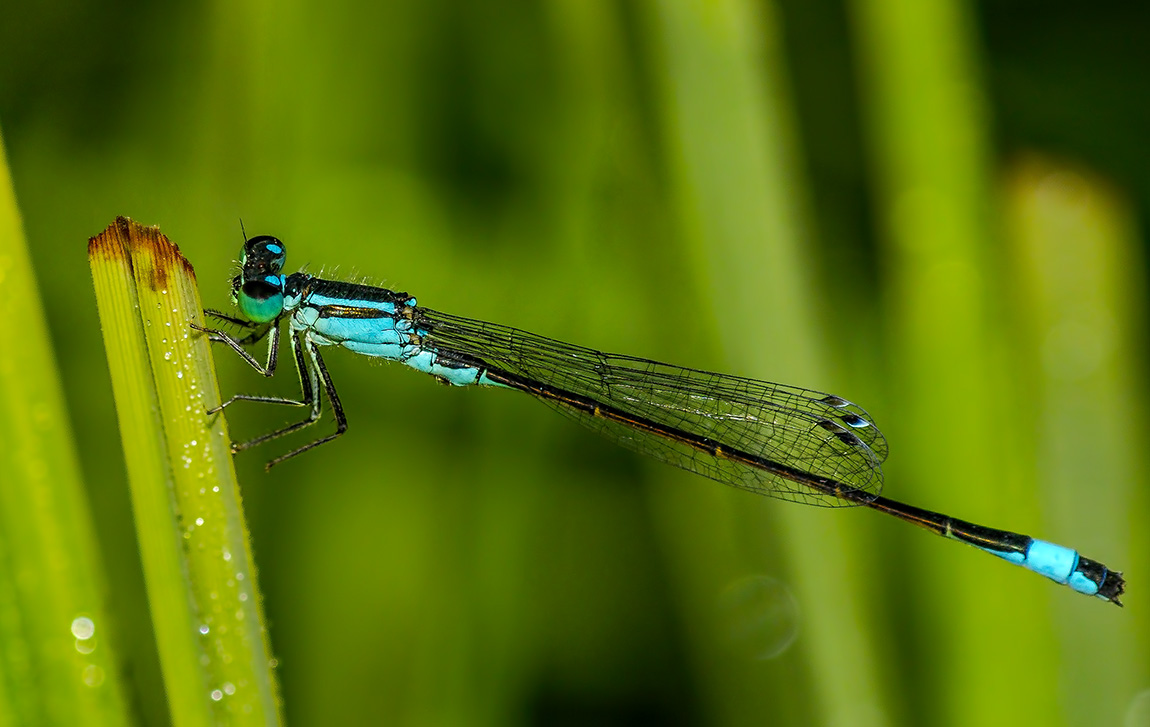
x,y
93,675
759,617
83,628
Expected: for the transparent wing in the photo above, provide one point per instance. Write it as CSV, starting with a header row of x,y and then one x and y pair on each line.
x,y
819,435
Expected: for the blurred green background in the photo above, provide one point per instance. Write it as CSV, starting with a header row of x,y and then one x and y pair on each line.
x,y
934,209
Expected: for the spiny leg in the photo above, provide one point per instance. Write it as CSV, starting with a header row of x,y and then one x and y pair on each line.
x,y
238,344
309,387
220,315
310,392
336,408
259,330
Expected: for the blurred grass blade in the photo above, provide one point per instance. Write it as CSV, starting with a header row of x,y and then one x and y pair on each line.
x,y
932,166
193,542
1079,275
57,665
731,148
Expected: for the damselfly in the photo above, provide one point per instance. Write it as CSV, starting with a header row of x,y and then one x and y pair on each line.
x,y
772,439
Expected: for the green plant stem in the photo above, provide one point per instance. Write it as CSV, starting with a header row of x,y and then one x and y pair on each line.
x,y
194,545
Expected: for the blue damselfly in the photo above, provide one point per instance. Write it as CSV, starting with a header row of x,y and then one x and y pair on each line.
x,y
773,439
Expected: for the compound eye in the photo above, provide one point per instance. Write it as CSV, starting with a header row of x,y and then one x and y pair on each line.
x,y
261,300
260,289
275,254
265,252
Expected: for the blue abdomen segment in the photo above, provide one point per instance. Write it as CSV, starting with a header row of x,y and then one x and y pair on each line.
x,y
1056,562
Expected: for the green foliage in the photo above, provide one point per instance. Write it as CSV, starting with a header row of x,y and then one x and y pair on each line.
x,y
58,645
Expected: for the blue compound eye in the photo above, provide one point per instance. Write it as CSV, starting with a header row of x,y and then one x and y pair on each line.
x,y
261,301
262,254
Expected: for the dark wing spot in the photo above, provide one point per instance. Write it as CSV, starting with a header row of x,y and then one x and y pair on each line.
x,y
844,436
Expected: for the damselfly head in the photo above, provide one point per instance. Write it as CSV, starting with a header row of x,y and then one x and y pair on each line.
x,y
258,289
262,255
